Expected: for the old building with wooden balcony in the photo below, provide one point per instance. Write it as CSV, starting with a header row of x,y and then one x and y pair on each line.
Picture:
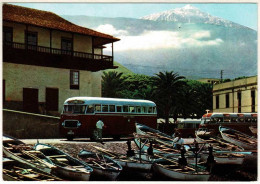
x,y
47,59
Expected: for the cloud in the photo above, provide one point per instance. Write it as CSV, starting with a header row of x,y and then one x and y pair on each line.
x,y
152,40
201,34
109,29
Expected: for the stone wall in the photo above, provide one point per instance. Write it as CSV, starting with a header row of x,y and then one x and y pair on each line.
x,y
24,125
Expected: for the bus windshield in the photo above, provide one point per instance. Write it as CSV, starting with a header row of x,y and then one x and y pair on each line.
x,y
74,109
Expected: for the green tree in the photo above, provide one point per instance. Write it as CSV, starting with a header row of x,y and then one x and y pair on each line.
x,y
137,86
112,84
166,91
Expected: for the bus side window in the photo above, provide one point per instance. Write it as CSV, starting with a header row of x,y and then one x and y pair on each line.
x,y
220,120
248,120
154,110
254,120
104,108
138,109
241,120
97,108
125,108
111,108
144,109
213,120
234,120
150,109
132,109
118,108
226,120
90,109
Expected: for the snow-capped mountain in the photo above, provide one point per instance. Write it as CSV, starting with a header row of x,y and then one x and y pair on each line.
x,y
194,50
189,14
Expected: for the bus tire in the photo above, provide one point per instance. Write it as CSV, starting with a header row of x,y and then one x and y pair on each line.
x,y
116,137
70,137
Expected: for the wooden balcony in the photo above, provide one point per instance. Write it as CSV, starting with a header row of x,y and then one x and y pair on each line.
x,y
50,57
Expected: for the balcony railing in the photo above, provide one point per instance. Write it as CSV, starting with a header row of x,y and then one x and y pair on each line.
x,y
55,51
20,53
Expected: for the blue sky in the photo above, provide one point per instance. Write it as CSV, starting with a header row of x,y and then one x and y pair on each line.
x,y
241,13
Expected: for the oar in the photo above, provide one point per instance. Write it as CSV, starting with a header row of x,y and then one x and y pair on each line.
x,y
173,162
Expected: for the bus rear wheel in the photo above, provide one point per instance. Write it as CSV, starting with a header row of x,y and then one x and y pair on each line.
x,y
116,137
70,137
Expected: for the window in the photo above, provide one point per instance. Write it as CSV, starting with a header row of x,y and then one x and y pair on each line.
x,y
111,108
227,100
125,108
239,101
150,109
75,109
144,109
234,120
253,100
90,109
104,108
154,110
66,46
31,39
138,109
74,79
132,109
97,108
118,108
217,102
8,35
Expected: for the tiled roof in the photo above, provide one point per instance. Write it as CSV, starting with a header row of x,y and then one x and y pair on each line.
x,y
48,20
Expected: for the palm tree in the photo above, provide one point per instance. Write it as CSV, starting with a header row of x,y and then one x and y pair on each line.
x,y
167,85
112,84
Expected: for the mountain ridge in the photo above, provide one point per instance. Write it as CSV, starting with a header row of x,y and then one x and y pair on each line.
x,y
199,50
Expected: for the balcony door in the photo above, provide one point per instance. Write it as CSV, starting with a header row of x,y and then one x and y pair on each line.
x,y
66,46
31,40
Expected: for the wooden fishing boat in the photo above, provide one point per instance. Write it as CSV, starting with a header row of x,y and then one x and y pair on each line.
x,y
17,150
218,143
224,152
144,142
238,138
67,166
253,129
103,166
128,163
18,171
145,130
173,170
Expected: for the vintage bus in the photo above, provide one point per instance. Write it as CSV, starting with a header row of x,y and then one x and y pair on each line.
x,y
80,115
187,127
237,121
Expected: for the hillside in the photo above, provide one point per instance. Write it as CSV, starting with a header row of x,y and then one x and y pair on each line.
x,y
120,68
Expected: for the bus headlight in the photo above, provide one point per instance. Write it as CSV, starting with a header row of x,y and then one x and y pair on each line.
x,y
78,124
63,123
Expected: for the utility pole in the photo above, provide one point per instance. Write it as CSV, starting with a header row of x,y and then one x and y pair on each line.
x,y
221,76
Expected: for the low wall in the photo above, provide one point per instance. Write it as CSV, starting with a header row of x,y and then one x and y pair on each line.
x,y
25,125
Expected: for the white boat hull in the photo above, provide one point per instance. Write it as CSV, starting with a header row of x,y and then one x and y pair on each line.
x,y
106,174
137,166
72,174
223,160
180,175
